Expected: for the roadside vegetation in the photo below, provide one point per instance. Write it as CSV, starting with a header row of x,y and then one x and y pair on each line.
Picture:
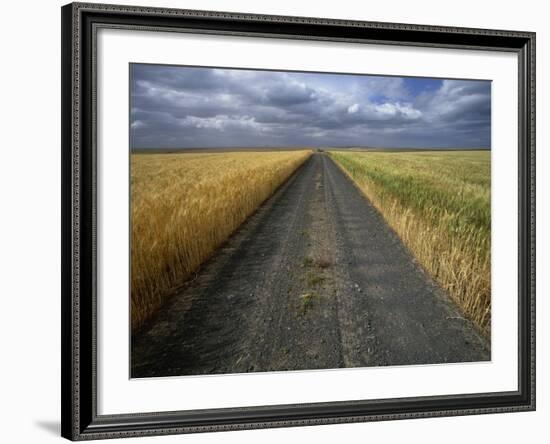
x,y
439,203
185,205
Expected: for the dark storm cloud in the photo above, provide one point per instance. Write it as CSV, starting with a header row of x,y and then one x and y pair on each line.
x,y
197,107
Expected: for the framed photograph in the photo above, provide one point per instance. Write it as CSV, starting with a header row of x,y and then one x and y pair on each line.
x,y
279,221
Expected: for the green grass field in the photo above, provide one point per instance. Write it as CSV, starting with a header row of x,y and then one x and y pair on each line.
x,y
439,203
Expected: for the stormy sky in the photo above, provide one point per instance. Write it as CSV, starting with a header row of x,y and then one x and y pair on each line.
x,y
186,107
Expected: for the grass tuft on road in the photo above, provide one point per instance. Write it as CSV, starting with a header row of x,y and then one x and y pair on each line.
x,y
439,203
306,303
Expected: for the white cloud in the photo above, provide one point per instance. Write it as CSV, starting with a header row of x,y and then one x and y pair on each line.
x,y
137,124
220,122
353,108
389,110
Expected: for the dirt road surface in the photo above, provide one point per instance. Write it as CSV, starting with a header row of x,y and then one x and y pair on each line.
x,y
315,279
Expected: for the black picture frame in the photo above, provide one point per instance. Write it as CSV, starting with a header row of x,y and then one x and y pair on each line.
x,y
78,334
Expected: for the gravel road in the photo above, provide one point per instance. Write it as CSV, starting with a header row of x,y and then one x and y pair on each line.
x,y
315,279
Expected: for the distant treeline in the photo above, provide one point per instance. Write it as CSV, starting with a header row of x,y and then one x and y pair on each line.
x,y
298,148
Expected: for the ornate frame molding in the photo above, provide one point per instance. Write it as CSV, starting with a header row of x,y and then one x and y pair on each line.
x,y
79,413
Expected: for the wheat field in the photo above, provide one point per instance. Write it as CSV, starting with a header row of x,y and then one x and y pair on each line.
x,y
439,203
185,205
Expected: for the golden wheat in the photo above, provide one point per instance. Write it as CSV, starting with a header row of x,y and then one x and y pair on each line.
x,y
184,206
439,204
